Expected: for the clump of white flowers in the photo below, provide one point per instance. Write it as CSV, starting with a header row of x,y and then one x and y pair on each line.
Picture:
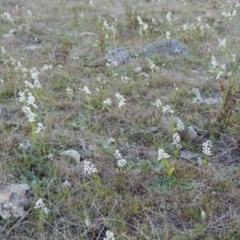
x,y
207,148
214,63
167,109
109,235
25,145
66,184
3,51
180,125
39,128
7,17
110,28
86,90
152,65
111,140
158,103
89,168
46,67
169,17
121,99
168,35
229,15
222,42
121,161
176,140
108,101
162,154
143,26
40,205
125,79
69,92
29,13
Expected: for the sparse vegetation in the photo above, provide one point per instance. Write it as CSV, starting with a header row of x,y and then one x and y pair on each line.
x,y
146,149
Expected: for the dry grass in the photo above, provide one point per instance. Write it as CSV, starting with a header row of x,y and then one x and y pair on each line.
x,y
137,201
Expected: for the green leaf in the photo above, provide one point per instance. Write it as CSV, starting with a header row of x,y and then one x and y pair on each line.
x,y
170,171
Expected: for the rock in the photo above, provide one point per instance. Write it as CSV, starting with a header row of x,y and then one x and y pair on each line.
x,y
13,31
17,139
33,48
8,36
15,200
168,48
3,112
118,56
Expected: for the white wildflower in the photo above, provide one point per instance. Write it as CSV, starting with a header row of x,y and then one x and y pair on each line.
x,y
46,67
162,154
145,75
91,4
152,65
207,147
222,42
121,161
158,103
7,16
31,100
167,109
176,140
125,79
143,25
234,13
45,210
220,73
29,13
22,97
115,63
117,154
34,73
213,62
121,99
26,145
86,90
111,140
108,101
3,51
39,128
69,91
28,84
180,125
138,69
168,16
89,168
40,205
67,184
109,236
29,114
168,35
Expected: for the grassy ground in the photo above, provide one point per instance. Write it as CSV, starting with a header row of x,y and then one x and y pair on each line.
x,y
152,196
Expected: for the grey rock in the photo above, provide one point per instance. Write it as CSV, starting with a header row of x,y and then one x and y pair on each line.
x,y
14,200
119,55
172,48
33,48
